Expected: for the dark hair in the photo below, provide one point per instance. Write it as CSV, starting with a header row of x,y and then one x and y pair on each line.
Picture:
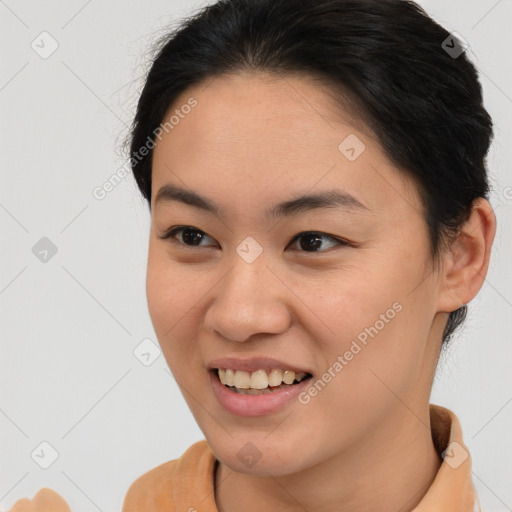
x,y
388,57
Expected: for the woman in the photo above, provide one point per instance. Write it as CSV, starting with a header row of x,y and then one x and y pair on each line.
x,y
316,177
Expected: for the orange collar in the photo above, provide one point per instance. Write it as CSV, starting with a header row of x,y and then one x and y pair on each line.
x,y
452,488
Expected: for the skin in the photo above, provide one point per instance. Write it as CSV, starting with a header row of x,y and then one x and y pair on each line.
x,y
364,442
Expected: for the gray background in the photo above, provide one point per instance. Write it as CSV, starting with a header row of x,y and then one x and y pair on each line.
x,y
70,323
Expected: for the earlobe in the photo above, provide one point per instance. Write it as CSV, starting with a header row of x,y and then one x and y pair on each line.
x,y
465,265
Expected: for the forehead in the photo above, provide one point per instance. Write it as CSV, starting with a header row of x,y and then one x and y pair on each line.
x,y
253,135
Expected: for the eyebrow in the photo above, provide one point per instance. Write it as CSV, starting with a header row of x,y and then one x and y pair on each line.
x,y
319,200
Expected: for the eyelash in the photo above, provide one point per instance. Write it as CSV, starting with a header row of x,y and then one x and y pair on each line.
x,y
169,235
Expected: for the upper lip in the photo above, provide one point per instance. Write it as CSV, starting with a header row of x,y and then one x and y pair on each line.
x,y
255,363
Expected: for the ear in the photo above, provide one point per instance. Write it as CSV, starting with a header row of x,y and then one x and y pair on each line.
x,y
465,265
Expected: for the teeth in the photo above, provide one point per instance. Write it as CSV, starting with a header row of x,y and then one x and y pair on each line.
x,y
300,376
275,377
259,379
288,377
242,380
230,378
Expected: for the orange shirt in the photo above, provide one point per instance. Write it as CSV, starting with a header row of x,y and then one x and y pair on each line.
x,y
187,483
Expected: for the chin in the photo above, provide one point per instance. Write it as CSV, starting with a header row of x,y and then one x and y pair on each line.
x,y
259,454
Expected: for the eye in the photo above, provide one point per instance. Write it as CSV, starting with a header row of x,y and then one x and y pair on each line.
x,y
310,241
192,237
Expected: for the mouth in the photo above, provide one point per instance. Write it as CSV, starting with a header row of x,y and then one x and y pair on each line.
x,y
259,382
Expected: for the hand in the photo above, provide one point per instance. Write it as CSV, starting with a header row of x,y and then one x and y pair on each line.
x,y
45,500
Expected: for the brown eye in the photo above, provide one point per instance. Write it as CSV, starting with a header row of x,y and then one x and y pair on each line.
x,y
190,236
311,241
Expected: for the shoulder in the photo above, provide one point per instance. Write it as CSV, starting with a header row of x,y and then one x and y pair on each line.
x,y
159,488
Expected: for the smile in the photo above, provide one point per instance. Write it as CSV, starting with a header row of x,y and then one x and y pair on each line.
x,y
273,390
259,381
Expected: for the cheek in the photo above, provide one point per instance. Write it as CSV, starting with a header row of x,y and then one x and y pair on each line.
x,y
352,298
373,322
173,294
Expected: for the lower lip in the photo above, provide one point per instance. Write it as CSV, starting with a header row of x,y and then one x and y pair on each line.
x,y
254,405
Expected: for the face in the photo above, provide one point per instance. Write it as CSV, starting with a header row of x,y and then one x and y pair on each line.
x,y
340,292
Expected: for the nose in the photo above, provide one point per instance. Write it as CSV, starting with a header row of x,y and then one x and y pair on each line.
x,y
249,300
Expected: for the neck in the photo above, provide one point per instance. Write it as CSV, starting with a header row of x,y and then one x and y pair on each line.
x,y
390,471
